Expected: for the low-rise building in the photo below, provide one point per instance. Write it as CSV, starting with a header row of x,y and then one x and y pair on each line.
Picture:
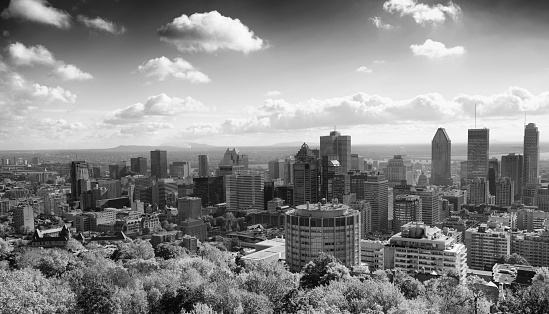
x,y
372,253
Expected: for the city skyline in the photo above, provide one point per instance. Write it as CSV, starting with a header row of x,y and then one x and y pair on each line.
x,y
99,75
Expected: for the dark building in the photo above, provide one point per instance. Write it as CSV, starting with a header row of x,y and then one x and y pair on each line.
x,y
79,171
268,193
159,164
493,175
306,176
117,171
285,192
441,158
210,190
511,167
337,144
203,166
138,165
478,152
531,154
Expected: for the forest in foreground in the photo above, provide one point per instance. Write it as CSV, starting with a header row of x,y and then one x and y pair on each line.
x,y
133,277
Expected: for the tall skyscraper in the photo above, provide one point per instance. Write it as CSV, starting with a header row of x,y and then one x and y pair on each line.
x,y
203,166
244,191
531,154
180,169
406,208
441,158
397,171
159,164
478,152
376,191
138,165
337,144
306,181
493,174
189,207
512,167
79,171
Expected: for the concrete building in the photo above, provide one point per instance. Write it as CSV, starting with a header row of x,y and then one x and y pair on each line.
x,y
203,166
543,198
372,253
23,216
244,191
441,158
159,164
398,172
194,228
530,193
512,167
210,189
357,162
337,144
529,218
505,192
531,154
189,207
365,210
138,165
406,208
485,244
533,246
376,192
419,248
314,228
78,171
478,152
180,169
493,175
478,191
306,176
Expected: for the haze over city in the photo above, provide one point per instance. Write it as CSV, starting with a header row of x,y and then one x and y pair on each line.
x,y
91,74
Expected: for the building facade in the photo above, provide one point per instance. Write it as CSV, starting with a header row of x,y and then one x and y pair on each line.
x,y
159,164
337,144
441,158
531,154
478,148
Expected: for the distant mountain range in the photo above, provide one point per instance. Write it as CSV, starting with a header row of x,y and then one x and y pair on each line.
x,y
138,148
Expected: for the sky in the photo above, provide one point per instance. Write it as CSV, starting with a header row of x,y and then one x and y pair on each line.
x,y
98,74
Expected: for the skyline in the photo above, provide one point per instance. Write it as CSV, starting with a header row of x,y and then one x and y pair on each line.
x,y
99,75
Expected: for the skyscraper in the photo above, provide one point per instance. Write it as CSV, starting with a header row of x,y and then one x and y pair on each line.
x,y
478,148
512,167
406,208
441,158
376,191
306,181
493,174
397,171
159,164
531,154
337,144
244,191
203,166
79,171
138,165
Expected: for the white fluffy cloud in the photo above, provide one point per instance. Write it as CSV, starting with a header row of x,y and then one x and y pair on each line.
x,y
163,68
159,105
101,24
436,50
144,128
423,13
39,11
210,32
273,93
22,55
379,24
364,69
363,109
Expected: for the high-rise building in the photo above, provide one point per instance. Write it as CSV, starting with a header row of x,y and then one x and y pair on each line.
x,y
485,244
406,208
337,144
493,174
531,154
533,246
159,164
397,171
306,176
180,169
478,191
210,189
505,192
430,202
478,148
23,216
511,167
232,162
244,191
329,228
357,162
330,168
189,207
118,170
376,192
138,165
79,171
203,166
441,158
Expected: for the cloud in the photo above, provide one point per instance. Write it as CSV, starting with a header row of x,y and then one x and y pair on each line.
x,y
210,32
144,128
273,93
6,33
380,61
21,55
362,109
70,72
364,70
60,125
39,11
163,68
159,105
423,13
101,24
379,24
436,50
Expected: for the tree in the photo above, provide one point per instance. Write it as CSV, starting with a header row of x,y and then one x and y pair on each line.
x,y
168,251
321,271
74,246
132,250
97,297
513,259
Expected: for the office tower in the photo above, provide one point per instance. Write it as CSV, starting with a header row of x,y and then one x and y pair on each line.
x,y
232,162
138,165
276,169
406,208
244,191
118,170
330,168
463,173
210,189
337,144
159,164
512,167
357,185
478,148
430,202
493,175
530,194
543,198
486,244
314,228
79,171
357,162
419,248
505,192
338,187
203,166
531,154
180,169
305,176
441,158
397,171
268,193
365,216
376,191
23,217
478,191
285,192
189,207
113,187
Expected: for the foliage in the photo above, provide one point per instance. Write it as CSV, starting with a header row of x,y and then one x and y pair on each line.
x,y
138,249
513,259
321,271
169,251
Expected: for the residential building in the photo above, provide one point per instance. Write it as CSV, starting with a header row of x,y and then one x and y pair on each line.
x,y
478,191
485,244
